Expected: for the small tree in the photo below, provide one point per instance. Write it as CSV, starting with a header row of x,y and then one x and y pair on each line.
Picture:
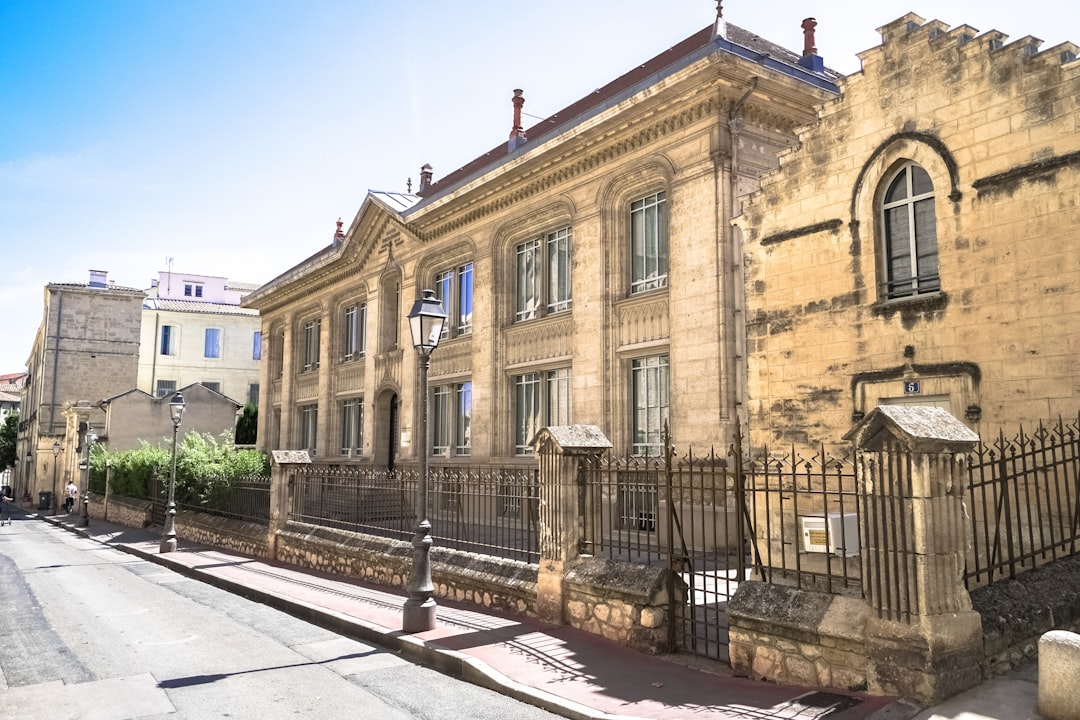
x,y
8,432
247,425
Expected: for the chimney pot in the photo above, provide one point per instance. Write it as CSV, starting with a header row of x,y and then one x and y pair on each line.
x,y
425,179
810,59
99,278
517,132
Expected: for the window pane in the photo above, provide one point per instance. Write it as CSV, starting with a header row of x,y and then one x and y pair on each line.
x,y
165,387
441,421
526,411
649,243
361,330
256,349
253,393
528,281
212,346
444,291
463,420
559,271
898,189
349,329
920,181
650,404
346,426
465,298
167,339
558,397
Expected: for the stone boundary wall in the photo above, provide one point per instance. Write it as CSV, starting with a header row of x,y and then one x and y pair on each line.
x,y
126,511
787,635
622,602
493,583
1016,613
239,536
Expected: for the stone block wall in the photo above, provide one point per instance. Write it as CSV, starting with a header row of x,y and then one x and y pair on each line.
x,y
784,634
493,583
623,602
237,535
125,511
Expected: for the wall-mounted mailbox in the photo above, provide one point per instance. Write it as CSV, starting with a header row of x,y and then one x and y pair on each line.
x,y
835,533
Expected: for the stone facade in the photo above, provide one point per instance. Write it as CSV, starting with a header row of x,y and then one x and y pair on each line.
x,y
679,136
986,329
86,348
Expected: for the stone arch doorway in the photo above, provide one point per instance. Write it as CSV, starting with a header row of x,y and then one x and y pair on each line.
x,y
387,428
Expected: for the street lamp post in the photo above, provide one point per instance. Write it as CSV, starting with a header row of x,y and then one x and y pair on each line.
x,y
89,439
426,321
168,535
56,450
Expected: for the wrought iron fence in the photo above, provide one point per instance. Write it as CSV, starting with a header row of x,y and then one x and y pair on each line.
x,y
486,509
246,498
1023,502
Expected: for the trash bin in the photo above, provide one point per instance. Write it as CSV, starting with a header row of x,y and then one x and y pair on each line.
x,y
44,500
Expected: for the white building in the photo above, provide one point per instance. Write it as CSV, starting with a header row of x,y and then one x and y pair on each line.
x,y
194,331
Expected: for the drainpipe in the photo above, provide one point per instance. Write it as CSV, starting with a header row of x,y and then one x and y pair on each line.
x,y
738,294
154,354
56,361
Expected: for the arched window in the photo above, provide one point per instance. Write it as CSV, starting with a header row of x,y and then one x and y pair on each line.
x,y
910,264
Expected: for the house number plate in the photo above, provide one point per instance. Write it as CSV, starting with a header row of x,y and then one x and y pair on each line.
x,y
912,388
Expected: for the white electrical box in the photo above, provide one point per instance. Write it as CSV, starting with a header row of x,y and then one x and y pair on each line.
x,y
834,533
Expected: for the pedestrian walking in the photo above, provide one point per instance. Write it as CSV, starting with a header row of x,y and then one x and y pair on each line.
x,y
70,493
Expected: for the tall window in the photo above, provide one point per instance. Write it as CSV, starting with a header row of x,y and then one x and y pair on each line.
x,y
212,345
169,337
540,399
277,353
352,427
452,433
909,225
165,387
649,243
253,393
355,324
309,420
543,276
312,329
650,404
256,346
454,289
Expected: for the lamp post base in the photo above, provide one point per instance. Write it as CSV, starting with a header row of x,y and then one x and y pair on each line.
x,y
84,519
168,545
418,615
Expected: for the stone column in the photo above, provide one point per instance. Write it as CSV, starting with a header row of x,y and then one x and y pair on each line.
x,y
560,451
282,462
923,640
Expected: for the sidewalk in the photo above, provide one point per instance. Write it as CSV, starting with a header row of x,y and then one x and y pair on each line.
x,y
566,671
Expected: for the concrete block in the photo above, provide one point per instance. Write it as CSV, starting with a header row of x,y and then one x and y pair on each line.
x,y
1059,675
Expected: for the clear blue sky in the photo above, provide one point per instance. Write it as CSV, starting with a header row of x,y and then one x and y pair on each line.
x,y
231,134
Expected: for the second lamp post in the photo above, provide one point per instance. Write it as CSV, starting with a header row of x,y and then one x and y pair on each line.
x,y
168,534
426,321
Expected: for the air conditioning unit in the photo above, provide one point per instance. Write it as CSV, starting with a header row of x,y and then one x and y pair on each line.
x,y
835,533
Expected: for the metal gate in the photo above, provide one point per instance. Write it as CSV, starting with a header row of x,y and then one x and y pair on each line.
x,y
707,526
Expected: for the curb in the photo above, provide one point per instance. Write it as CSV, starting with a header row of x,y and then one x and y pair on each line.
x,y
448,662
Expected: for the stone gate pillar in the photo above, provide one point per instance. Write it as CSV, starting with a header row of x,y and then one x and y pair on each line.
x,y
281,462
560,451
923,640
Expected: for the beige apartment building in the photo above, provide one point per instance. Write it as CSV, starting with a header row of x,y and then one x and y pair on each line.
x,y
921,242
194,331
585,265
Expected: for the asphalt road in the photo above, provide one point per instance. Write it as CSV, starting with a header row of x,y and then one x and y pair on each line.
x,y
92,633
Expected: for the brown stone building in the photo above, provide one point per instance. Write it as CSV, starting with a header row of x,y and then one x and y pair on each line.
x,y
586,266
921,242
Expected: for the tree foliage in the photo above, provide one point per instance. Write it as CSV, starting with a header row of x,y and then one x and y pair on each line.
x,y
8,432
247,425
201,459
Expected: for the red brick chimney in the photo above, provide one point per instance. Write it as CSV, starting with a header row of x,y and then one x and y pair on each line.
x,y
810,59
517,133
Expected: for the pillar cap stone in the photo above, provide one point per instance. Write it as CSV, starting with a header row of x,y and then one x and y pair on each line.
x,y
571,439
919,428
